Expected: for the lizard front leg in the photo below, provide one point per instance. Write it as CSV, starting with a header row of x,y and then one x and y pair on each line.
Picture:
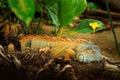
x,y
69,53
44,50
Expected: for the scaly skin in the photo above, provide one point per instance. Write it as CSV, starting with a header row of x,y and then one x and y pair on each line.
x,y
80,49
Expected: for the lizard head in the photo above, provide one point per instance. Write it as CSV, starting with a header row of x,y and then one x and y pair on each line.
x,y
88,52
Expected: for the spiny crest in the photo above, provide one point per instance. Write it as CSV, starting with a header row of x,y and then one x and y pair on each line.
x,y
49,38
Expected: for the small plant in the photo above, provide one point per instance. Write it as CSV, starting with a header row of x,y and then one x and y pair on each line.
x,y
61,14
89,26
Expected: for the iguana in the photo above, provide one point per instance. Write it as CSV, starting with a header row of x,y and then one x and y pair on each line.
x,y
79,49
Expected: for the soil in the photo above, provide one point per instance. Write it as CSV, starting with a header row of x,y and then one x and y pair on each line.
x,y
33,65
40,66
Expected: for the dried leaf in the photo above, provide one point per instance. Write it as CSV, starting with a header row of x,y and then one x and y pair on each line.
x,y
11,48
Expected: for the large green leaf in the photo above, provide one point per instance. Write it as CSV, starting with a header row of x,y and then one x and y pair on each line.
x,y
24,9
65,10
68,10
79,6
84,26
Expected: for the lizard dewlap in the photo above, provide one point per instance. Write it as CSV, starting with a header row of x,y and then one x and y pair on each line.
x,y
80,49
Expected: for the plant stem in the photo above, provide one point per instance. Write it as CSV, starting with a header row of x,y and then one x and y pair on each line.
x,y
112,26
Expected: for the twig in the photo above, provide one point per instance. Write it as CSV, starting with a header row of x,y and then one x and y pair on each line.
x,y
112,26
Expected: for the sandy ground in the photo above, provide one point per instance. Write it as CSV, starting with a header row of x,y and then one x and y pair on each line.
x,y
105,40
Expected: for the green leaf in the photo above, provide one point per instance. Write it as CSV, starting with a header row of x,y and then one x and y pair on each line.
x,y
24,9
68,10
52,9
79,6
53,15
62,12
84,26
65,12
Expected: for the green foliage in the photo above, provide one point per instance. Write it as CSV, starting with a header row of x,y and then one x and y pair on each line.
x,y
3,3
24,9
93,6
64,11
32,29
61,12
68,10
84,26
52,12
39,5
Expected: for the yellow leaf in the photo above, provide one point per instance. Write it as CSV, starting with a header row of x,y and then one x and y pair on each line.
x,y
94,25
